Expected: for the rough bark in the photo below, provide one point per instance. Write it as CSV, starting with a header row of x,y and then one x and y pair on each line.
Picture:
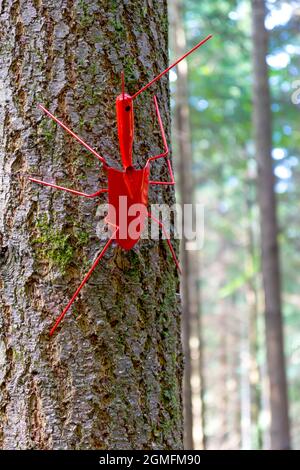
x,y
111,377
269,228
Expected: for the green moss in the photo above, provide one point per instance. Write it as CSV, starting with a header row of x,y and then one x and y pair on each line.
x,y
81,63
118,27
130,67
113,5
170,399
94,68
47,131
165,23
85,17
33,170
38,97
53,244
96,38
134,272
144,11
91,96
80,158
81,123
120,341
169,388
17,356
82,237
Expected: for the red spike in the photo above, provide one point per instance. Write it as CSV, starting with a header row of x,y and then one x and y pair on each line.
x,y
69,190
171,66
123,84
86,278
168,240
73,134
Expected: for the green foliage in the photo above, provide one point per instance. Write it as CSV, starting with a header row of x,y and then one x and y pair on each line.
x,y
220,98
251,270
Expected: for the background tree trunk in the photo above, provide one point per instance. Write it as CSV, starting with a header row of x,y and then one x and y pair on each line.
x,y
269,229
111,377
252,296
193,395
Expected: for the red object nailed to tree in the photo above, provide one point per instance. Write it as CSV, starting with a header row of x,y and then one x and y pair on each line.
x,y
130,183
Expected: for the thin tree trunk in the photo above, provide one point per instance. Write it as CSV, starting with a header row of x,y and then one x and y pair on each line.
x,y
223,379
233,379
201,359
111,376
252,302
190,259
270,259
245,384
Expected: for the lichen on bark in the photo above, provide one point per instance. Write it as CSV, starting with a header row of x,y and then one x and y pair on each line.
x,y
111,377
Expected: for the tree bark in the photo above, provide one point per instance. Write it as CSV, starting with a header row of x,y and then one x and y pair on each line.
x,y
268,223
111,377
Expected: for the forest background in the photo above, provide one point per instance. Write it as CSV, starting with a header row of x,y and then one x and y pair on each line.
x,y
233,365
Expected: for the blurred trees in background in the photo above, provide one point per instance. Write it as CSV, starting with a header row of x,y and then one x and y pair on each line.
x,y
221,86
193,377
271,273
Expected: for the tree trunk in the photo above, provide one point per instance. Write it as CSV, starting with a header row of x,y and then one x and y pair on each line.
x,y
193,415
111,376
252,297
270,259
